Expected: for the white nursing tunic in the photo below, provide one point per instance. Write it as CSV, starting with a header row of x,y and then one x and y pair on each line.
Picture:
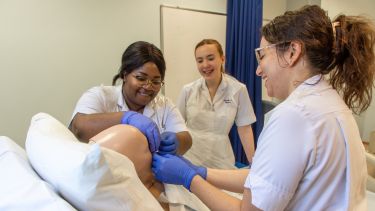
x,y
103,99
209,121
310,154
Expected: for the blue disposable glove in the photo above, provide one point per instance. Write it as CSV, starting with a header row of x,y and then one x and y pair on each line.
x,y
202,171
168,143
172,169
145,125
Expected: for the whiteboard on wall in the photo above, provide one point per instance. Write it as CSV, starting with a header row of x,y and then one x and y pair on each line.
x,y
181,30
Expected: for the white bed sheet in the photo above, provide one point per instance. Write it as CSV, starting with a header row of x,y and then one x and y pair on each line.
x,y
20,187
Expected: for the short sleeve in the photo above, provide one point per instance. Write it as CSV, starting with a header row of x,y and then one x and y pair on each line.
x,y
280,159
90,102
245,112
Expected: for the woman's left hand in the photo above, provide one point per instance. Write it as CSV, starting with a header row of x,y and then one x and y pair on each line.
x,y
172,169
168,144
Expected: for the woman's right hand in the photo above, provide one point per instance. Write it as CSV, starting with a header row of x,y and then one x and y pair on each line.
x,y
202,171
145,125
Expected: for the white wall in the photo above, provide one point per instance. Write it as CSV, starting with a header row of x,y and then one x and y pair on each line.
x,y
181,30
366,121
52,51
296,4
273,8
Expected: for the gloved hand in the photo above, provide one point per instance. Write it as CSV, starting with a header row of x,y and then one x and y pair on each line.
x,y
172,169
145,125
168,144
202,171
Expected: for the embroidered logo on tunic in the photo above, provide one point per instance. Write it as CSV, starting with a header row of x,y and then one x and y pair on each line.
x,y
227,100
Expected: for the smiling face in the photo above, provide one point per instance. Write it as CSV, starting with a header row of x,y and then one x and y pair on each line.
x,y
209,62
273,73
136,94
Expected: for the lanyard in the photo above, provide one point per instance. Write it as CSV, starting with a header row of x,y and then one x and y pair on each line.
x,y
162,122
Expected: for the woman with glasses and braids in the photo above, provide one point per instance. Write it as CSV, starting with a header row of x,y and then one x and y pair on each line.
x,y
310,154
135,102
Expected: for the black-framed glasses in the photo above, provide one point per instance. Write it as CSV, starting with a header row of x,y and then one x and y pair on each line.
x,y
259,52
144,81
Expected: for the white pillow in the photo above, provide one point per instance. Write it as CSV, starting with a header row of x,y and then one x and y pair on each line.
x,y
20,187
88,176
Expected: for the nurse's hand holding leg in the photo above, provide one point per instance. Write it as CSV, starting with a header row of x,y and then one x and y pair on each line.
x,y
145,125
176,170
173,170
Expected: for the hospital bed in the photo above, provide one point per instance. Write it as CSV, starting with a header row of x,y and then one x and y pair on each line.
x,y
57,172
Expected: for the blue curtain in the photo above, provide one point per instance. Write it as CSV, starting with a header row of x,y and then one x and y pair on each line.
x,y
244,20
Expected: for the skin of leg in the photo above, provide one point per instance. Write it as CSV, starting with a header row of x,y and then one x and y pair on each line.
x,y
129,141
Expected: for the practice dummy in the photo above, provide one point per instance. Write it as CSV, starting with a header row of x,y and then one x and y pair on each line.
x,y
129,141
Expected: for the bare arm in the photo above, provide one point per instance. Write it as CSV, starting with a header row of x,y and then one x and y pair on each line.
x,y
247,140
185,142
215,199
230,180
85,126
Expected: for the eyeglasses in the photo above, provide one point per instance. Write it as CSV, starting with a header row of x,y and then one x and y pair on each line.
x,y
259,52
143,81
